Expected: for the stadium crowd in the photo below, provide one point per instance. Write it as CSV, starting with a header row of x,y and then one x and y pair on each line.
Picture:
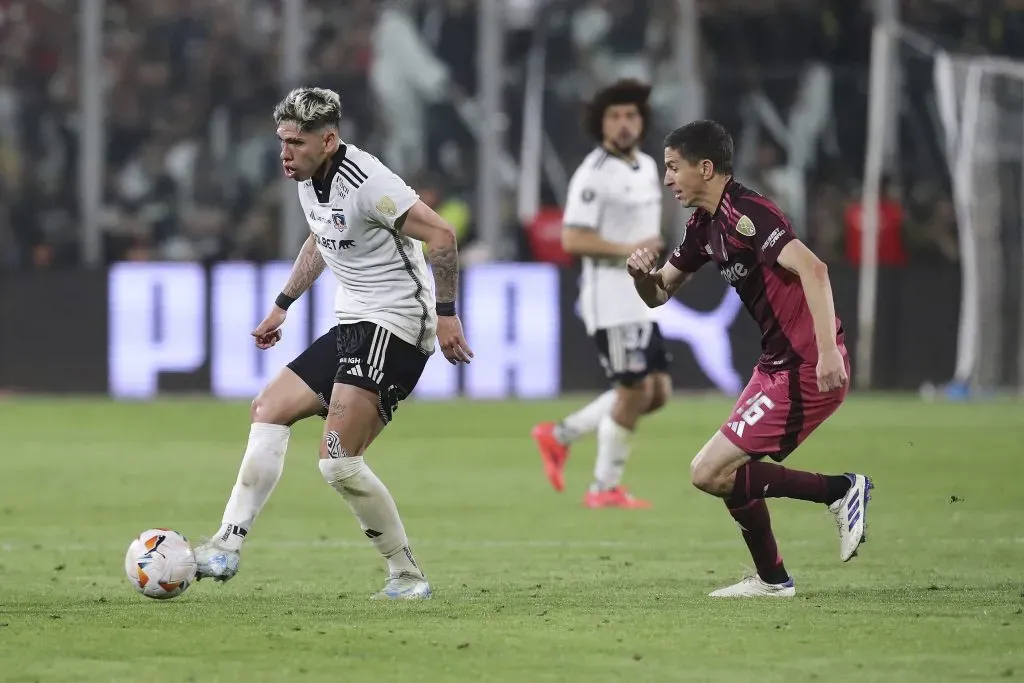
x,y
191,160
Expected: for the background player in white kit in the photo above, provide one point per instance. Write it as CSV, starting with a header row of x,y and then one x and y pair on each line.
x,y
613,208
367,226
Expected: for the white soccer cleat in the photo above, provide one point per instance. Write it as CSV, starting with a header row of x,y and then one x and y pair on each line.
x,y
851,515
754,587
404,586
215,562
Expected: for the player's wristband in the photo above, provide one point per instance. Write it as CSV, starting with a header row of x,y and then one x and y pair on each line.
x,y
283,301
445,308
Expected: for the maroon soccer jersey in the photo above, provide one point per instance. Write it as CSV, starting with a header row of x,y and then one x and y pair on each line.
x,y
743,239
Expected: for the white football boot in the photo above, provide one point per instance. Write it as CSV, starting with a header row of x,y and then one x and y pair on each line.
x,y
404,586
215,562
754,587
851,513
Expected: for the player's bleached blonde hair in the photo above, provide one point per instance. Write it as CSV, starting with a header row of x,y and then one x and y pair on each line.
x,y
311,108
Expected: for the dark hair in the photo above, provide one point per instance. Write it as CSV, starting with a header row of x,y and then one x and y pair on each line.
x,y
699,140
626,91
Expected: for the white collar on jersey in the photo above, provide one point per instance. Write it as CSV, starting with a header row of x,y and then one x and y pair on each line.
x,y
323,189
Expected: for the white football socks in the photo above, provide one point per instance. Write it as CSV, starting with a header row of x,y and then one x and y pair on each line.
x,y
373,506
585,420
259,473
612,453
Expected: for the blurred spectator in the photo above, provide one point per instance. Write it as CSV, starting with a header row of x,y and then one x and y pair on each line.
x,y
891,250
191,157
933,233
826,217
455,210
611,37
406,76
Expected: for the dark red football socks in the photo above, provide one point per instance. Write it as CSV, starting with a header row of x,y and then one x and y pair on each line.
x,y
756,524
838,485
759,479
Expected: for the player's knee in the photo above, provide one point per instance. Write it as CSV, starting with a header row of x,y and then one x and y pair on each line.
x,y
657,401
703,477
332,447
266,409
342,473
634,398
336,445
630,403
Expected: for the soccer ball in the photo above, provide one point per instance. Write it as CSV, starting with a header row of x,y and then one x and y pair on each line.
x,y
160,563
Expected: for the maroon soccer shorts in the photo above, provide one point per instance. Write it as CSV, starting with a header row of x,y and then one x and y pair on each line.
x,y
778,410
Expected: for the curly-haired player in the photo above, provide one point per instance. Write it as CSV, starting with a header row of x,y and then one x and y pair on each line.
x,y
614,207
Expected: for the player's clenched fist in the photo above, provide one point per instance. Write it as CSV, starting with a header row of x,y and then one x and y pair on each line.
x,y
642,262
831,370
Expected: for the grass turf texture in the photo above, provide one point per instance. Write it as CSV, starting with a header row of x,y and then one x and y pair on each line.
x,y
529,585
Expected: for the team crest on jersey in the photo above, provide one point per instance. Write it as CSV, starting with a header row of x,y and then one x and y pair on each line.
x,y
338,218
745,226
386,205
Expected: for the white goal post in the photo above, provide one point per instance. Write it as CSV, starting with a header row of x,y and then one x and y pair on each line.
x,y
978,102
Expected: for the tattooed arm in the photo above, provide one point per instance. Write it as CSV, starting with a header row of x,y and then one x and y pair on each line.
x,y
422,223
308,266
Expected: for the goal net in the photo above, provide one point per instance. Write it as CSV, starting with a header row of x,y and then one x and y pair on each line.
x,y
971,109
982,105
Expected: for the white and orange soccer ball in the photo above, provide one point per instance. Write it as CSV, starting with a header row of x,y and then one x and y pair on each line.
x,y
160,563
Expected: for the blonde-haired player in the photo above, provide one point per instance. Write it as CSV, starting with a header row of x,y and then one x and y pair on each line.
x,y
368,227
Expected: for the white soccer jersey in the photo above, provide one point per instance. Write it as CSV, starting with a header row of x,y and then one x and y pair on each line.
x,y
621,200
382,274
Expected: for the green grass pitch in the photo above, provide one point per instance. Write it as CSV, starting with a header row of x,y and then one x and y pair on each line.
x,y
529,585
